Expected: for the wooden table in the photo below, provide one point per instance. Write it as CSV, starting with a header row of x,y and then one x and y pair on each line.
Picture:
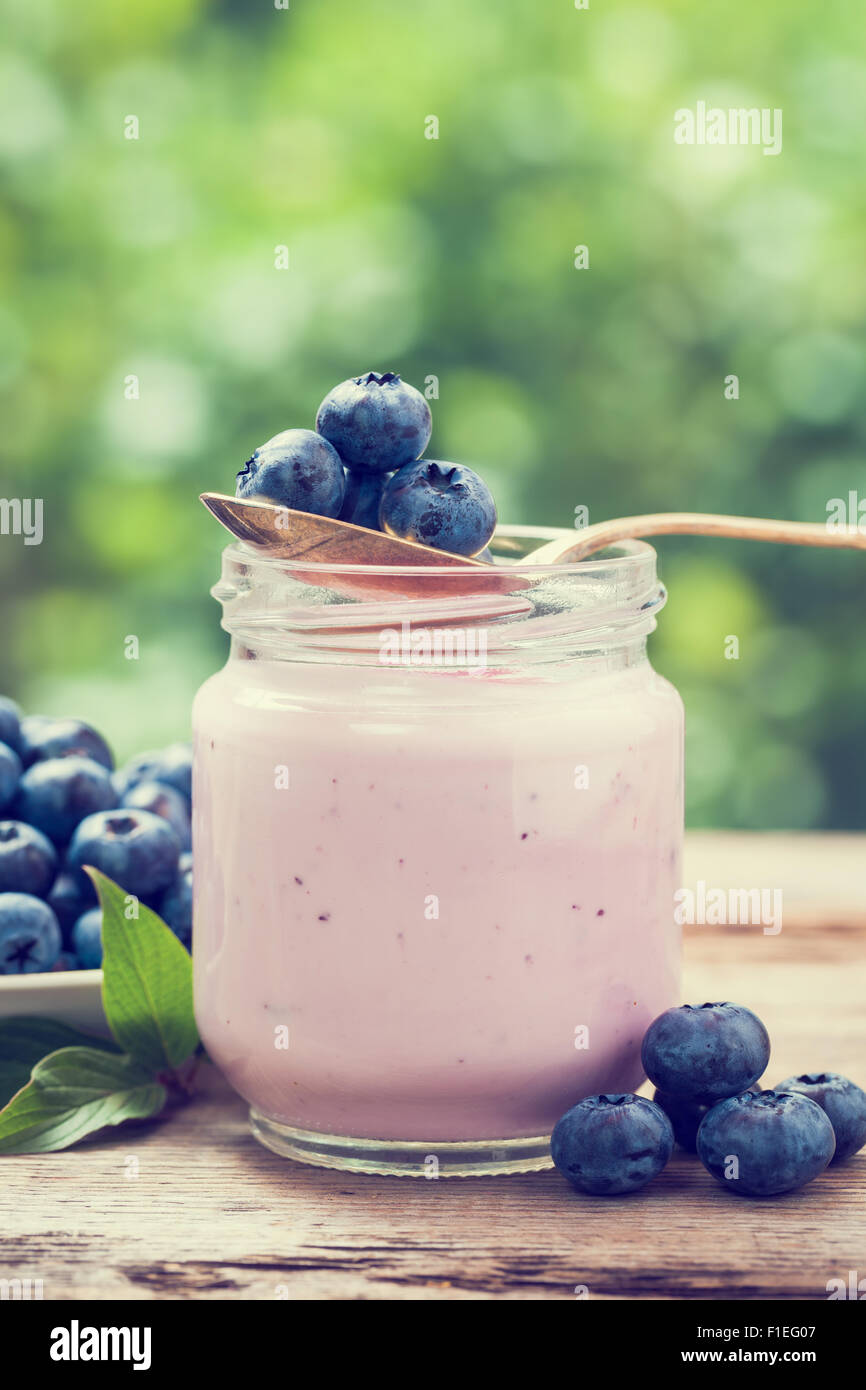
x,y
194,1208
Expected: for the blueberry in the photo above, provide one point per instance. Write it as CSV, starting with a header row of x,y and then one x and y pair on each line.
x,y
87,939
55,796
28,860
685,1116
67,960
58,738
174,766
376,422
612,1144
175,909
136,848
10,774
842,1101
10,724
30,726
443,505
297,469
705,1052
765,1142
363,498
138,769
164,801
70,897
29,935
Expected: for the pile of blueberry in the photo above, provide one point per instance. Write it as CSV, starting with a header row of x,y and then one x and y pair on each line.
x,y
705,1061
363,464
67,807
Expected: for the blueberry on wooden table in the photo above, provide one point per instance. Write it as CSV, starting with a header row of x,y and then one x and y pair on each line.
x,y
705,1052
610,1144
843,1102
685,1116
761,1144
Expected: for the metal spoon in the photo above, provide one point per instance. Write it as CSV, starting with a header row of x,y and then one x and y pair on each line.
x,y
363,563
571,548
303,536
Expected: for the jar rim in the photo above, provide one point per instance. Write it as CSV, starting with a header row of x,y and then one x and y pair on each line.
x,y
625,555
269,600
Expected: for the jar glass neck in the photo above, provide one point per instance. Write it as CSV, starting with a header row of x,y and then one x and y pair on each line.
x,y
431,648
508,616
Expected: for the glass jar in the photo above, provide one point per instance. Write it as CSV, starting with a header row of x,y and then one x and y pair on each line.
x,y
437,834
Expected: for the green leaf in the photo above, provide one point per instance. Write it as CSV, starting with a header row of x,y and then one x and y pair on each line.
x,y
146,982
25,1041
72,1093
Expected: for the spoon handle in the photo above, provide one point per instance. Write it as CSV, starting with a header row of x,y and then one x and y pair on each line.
x,y
602,533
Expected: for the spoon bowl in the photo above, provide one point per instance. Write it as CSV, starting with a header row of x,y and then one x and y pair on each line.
x,y
365,562
302,535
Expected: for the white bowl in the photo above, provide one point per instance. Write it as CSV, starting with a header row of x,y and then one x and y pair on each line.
x,y
73,997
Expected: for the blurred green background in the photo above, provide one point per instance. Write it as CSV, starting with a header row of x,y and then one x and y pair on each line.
x,y
261,127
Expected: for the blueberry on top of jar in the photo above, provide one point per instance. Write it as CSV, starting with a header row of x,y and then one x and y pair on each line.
x,y
296,469
443,505
377,422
